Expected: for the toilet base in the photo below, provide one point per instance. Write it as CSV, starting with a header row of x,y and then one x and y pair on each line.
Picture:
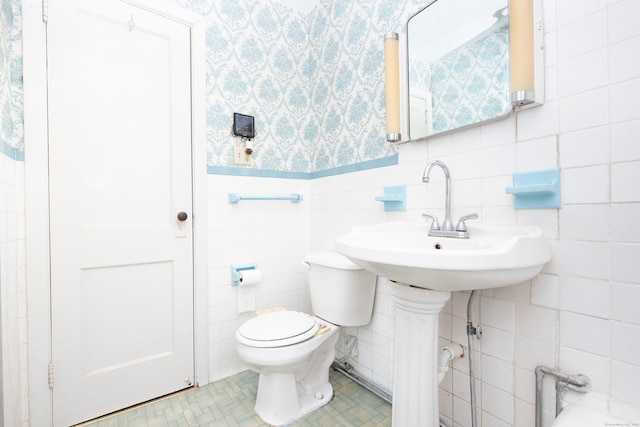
x,y
287,405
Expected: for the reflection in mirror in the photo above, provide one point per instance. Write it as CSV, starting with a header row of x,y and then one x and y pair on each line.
x,y
458,60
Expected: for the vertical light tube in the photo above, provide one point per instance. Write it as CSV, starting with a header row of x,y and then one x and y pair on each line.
x,y
392,86
521,52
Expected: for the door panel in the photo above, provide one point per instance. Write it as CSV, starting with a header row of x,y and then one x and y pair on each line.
x,y
120,171
118,290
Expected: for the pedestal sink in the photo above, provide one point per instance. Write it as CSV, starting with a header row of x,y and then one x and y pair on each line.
x,y
423,271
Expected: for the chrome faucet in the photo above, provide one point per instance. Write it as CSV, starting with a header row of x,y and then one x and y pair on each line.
x,y
447,229
447,225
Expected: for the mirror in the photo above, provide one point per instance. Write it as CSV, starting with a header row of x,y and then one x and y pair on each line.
x,y
458,65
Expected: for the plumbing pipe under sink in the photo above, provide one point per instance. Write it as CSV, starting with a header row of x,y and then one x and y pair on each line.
x,y
449,352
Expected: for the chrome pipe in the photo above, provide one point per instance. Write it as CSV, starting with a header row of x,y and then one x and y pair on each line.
x,y
471,332
347,370
578,383
539,376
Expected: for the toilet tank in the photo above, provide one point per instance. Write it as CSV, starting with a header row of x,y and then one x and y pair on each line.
x,y
341,292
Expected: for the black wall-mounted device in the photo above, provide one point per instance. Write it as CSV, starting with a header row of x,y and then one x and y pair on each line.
x,y
243,125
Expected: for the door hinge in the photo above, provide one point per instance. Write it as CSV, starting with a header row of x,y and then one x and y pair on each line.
x,y
50,376
45,10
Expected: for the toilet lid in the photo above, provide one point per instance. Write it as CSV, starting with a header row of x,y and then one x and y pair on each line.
x,y
277,329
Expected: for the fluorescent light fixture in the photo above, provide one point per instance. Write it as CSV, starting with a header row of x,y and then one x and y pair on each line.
x,y
526,53
392,86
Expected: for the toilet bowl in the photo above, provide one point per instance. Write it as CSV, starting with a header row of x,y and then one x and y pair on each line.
x,y
292,351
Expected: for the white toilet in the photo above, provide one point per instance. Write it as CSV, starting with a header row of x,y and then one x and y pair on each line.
x,y
293,351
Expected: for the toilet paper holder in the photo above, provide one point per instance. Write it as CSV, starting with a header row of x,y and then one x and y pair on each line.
x,y
236,269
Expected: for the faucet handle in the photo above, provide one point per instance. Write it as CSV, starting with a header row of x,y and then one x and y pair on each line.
x,y
435,225
461,226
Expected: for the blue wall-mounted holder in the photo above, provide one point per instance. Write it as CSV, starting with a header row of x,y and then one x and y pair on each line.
x,y
394,198
236,269
536,190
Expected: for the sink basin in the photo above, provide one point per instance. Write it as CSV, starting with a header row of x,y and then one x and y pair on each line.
x,y
493,256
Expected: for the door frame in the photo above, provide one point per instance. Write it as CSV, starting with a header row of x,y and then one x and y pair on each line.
x,y
36,186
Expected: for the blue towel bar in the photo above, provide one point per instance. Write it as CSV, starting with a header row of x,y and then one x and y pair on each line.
x,y
236,197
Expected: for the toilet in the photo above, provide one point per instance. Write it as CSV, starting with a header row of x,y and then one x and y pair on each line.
x,y
292,351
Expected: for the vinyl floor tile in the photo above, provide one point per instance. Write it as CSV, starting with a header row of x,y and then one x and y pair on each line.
x,y
229,403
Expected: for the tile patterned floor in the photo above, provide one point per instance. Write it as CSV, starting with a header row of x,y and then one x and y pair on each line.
x,y
229,403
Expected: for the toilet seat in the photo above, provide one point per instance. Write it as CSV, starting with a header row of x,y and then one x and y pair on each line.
x,y
277,329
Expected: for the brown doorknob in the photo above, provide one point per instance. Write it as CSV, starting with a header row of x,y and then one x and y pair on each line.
x,y
182,216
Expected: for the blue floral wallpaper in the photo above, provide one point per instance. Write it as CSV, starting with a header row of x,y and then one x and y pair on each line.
x,y
11,117
314,82
468,84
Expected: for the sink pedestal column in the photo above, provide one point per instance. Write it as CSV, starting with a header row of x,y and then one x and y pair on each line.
x,y
415,383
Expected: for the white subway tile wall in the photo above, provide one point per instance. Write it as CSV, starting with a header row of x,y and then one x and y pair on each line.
x,y
13,293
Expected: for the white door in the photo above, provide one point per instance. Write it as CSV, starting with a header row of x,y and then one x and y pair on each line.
x,y
120,175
